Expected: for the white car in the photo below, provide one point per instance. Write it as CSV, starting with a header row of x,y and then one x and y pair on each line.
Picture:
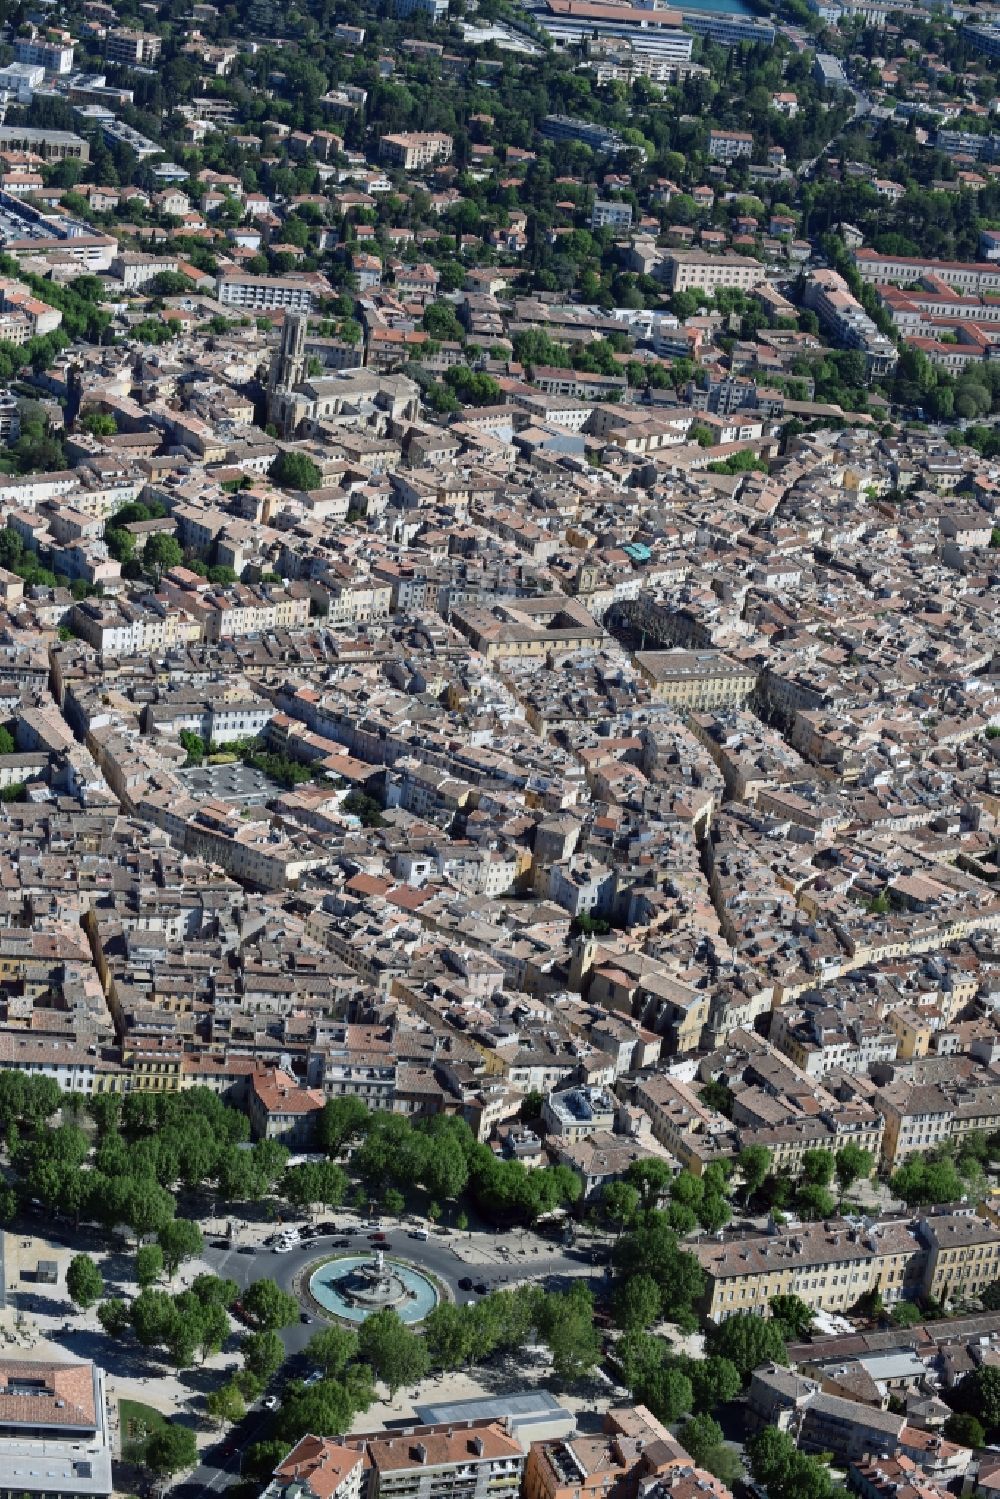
x,y
270,1402
283,1247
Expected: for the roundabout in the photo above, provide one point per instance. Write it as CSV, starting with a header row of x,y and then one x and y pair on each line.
x,y
354,1287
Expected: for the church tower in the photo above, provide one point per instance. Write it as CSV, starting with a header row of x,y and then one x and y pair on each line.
x,y
289,363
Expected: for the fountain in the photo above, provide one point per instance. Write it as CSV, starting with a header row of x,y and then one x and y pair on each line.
x,y
354,1288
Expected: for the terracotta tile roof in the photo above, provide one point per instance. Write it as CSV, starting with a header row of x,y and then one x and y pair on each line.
x,y
43,1394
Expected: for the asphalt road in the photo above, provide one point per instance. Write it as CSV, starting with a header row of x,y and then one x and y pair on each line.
x,y
553,1263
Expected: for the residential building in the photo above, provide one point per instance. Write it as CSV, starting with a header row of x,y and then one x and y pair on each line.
x,y
127,47
318,1468
415,149
54,1436
53,53
729,145
610,214
700,270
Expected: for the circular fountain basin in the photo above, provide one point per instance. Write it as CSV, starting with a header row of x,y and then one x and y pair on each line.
x,y
348,1288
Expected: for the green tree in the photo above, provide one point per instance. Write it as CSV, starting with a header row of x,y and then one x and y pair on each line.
x,y
315,1182
270,1306
792,1316
698,1436
148,1264
448,1335
179,1240
669,1394
99,424
817,1167
566,1324
226,1405
922,1183
333,1349
814,1201
619,1204
637,1302
397,1355
294,470
714,1381
84,1281
340,1121
113,1316
852,1164
170,1449
978,1394
747,1340
325,1409
653,1179
263,1353
966,1430
394,1203
161,552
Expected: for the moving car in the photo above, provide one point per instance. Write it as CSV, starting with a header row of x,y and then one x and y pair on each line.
x,y
465,1284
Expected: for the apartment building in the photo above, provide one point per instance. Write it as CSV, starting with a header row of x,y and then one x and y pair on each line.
x,y
414,149
478,1460
963,1254
919,1116
700,270
261,293
50,145
128,627
729,145
434,10
54,1437
696,680
693,1132
828,71
829,1265
21,79
317,1468
54,54
730,30
610,215
842,314
656,33
576,1113
586,132
281,1109
969,276
131,48
134,270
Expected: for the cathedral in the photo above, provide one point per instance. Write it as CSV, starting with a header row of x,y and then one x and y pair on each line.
x,y
301,406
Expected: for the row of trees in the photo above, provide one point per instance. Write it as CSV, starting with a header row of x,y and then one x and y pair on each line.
x,y
442,1156
148,1147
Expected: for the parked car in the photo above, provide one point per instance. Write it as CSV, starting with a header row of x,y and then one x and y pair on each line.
x,y
465,1284
270,1402
246,1249
481,1288
341,1244
305,1317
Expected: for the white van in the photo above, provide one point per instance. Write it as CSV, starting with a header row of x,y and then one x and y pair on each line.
x,y
419,1233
